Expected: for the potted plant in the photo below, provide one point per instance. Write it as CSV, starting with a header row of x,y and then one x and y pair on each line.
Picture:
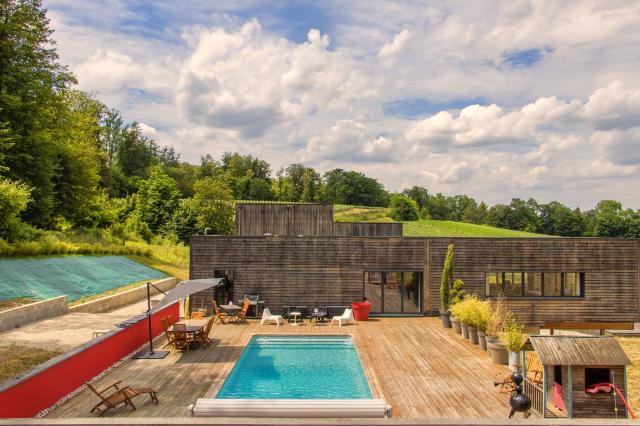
x,y
456,296
495,323
484,310
514,339
473,317
447,270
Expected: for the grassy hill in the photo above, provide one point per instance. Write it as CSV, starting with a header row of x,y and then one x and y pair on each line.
x,y
424,228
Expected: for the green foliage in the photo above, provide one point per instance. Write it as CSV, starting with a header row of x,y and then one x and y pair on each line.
x,y
457,293
558,219
184,223
347,187
471,311
213,200
418,194
157,199
445,228
513,335
136,229
14,197
445,282
403,208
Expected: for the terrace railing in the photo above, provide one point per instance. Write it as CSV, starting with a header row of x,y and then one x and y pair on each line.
x,y
536,394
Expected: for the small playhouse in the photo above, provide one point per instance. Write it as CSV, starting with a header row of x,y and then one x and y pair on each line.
x,y
582,376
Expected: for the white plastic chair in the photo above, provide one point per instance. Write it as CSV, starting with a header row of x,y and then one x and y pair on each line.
x,y
346,317
267,316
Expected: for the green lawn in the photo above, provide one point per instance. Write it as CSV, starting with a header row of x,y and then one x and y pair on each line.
x,y
424,228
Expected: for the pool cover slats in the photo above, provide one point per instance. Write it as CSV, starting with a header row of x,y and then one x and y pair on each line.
x,y
73,276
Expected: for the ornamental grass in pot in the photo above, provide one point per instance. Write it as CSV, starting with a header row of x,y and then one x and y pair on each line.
x,y
495,324
484,308
514,339
456,296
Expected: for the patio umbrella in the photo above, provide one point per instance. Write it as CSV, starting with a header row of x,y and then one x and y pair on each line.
x,y
181,291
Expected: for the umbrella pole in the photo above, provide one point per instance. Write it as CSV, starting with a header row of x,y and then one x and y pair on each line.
x,y
150,354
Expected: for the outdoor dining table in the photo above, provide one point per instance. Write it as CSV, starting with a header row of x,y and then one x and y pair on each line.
x,y
192,327
231,310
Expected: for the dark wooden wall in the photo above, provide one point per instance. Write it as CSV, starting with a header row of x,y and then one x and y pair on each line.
x,y
586,405
310,220
329,270
306,271
610,267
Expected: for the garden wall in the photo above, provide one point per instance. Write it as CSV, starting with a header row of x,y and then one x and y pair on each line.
x,y
118,300
21,315
45,385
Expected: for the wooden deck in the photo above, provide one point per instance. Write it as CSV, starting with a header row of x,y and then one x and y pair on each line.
x,y
421,369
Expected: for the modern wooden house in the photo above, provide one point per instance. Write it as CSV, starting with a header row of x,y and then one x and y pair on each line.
x,y
294,254
583,376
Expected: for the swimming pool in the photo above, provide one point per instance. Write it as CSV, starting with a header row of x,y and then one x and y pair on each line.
x,y
74,276
297,367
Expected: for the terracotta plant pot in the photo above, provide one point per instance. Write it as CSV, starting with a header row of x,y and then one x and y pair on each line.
x,y
446,319
465,330
473,335
514,361
455,324
498,351
482,340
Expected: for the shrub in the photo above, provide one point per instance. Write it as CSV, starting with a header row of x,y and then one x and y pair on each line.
x,y
498,315
457,293
447,271
403,208
513,336
484,312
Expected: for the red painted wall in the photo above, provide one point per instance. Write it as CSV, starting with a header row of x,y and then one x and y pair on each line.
x,y
29,397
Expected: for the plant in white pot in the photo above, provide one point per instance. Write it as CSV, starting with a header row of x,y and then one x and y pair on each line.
x,y
514,339
445,284
495,322
473,317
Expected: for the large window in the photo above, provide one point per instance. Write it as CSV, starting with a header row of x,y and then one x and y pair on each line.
x,y
397,292
535,284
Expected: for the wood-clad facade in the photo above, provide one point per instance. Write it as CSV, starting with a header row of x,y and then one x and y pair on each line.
x,y
330,270
309,220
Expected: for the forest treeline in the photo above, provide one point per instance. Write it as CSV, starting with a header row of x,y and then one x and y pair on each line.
x,y
68,161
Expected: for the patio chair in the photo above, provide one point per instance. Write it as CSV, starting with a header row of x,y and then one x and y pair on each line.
x,y
268,316
202,337
117,396
220,316
345,317
241,315
181,340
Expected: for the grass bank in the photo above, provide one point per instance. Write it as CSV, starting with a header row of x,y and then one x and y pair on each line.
x,y
16,359
631,346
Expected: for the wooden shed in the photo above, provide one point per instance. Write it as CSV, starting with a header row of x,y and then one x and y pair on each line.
x,y
583,376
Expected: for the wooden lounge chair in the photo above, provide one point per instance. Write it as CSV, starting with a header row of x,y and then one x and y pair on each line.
x,y
181,340
220,316
202,337
534,374
268,316
117,396
241,315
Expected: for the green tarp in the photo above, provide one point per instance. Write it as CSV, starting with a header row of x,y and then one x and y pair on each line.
x,y
73,276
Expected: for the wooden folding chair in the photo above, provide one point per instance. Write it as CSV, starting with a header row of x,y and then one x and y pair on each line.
x,y
180,339
220,316
242,313
202,337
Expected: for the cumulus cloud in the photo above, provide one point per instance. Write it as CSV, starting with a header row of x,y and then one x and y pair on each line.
x,y
250,81
620,146
613,107
396,45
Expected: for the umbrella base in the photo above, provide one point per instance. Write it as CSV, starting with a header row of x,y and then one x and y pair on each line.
x,y
151,355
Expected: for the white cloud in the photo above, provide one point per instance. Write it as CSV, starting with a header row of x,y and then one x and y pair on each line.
x,y
396,45
613,107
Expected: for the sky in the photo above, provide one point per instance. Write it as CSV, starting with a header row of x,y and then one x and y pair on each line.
x,y
496,100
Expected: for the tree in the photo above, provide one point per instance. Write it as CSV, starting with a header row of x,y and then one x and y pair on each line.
x,y
558,219
136,152
418,194
354,188
111,134
247,176
445,281
14,197
184,223
609,219
438,207
32,82
157,199
311,186
403,208
213,200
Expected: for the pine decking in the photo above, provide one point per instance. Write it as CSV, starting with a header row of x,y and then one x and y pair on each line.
x,y
421,369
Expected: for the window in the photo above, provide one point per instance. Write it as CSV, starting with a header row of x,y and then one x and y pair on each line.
x,y
394,292
535,284
494,283
593,376
552,284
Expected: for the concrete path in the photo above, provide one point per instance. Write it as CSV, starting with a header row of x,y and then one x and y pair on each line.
x,y
68,331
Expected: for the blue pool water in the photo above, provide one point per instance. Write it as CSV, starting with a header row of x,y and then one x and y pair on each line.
x,y
74,276
297,367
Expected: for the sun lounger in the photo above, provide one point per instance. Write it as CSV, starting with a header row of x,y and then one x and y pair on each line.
x,y
268,316
280,408
112,398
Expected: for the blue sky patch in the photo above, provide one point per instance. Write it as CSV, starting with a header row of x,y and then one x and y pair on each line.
x,y
413,108
525,58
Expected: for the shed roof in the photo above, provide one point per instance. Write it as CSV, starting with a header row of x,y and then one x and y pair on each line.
x,y
579,350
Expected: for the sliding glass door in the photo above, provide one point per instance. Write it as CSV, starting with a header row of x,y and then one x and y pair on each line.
x,y
394,292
